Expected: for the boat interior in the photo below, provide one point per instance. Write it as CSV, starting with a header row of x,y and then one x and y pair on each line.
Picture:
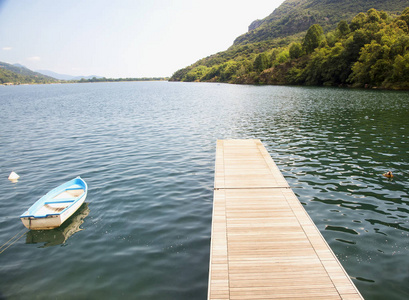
x,y
60,201
72,193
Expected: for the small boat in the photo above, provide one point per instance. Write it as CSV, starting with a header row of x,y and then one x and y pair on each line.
x,y
51,210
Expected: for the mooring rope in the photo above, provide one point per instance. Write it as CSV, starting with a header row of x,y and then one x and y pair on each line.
x,y
13,240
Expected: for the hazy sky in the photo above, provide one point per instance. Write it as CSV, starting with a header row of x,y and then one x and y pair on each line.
x,y
121,38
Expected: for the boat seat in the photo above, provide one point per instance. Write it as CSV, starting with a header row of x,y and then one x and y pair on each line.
x,y
64,200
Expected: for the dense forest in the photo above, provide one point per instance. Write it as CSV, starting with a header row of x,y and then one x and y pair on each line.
x,y
371,50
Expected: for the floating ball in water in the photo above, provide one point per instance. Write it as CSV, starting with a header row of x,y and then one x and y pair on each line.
x,y
13,176
388,174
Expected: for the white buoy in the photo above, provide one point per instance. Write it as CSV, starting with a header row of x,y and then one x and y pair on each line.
x,y
13,176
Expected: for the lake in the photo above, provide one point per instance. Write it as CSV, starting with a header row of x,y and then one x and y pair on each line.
x,y
147,151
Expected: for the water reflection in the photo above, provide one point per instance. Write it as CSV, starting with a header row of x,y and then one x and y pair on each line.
x,y
61,234
332,145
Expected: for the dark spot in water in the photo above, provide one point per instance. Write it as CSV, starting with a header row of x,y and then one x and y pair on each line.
x,y
364,279
345,241
341,229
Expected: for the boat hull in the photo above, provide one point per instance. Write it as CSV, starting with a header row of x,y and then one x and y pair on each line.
x,y
53,221
54,208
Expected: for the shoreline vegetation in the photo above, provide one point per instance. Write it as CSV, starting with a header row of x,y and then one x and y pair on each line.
x,y
370,51
103,79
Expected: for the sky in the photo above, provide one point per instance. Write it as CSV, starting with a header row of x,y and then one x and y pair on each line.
x,y
121,38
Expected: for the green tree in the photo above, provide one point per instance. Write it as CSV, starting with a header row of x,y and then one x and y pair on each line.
x,y
373,16
296,50
313,38
283,56
261,62
400,46
401,69
331,38
336,68
196,74
229,70
180,74
313,72
358,21
372,66
213,73
405,16
273,57
343,29
402,25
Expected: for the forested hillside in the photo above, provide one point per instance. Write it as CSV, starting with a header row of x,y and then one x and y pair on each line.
x,y
295,16
17,74
371,49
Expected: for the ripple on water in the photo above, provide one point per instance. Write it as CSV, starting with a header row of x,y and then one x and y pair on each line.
x,y
146,151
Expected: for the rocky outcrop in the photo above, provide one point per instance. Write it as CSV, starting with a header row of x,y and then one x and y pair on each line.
x,y
255,24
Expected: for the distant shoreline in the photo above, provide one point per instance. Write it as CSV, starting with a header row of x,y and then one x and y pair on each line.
x,y
104,79
92,80
167,79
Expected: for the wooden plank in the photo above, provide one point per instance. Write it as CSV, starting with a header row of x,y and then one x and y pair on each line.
x,y
264,244
240,164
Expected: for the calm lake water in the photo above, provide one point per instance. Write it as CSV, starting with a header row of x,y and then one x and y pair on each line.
x,y
147,151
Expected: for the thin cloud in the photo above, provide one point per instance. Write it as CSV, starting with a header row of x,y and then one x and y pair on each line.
x,y
7,48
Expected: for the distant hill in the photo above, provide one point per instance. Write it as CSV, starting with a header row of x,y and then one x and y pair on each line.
x,y
64,76
55,75
18,74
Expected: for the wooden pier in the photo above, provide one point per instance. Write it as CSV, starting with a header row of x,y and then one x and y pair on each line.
x,y
264,245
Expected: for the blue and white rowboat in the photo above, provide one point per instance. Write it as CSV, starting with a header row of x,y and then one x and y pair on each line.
x,y
51,210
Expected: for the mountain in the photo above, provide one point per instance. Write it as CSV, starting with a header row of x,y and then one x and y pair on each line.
x,y
18,74
295,16
64,76
22,70
19,66
55,75
316,42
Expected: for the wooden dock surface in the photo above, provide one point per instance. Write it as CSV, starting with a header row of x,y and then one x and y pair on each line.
x,y
264,245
